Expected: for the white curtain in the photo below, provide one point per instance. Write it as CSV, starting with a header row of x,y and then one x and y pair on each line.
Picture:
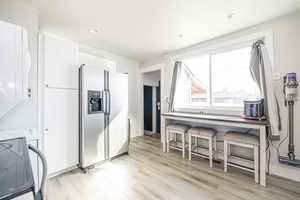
x,y
261,71
175,77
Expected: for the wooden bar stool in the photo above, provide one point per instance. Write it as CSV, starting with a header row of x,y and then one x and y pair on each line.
x,y
206,134
243,140
177,129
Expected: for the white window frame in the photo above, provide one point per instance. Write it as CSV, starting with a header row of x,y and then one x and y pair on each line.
x,y
220,47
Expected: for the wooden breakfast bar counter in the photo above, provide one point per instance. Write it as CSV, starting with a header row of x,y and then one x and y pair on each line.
x,y
229,121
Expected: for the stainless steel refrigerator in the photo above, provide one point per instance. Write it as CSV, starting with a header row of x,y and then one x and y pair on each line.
x,y
103,109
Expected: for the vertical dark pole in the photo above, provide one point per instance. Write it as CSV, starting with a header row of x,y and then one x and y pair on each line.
x,y
291,130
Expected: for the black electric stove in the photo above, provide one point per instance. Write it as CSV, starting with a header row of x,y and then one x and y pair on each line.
x,y
16,177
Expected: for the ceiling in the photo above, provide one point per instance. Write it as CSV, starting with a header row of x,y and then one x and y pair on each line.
x,y
145,29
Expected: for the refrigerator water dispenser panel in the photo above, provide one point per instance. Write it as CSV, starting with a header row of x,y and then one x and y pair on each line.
x,y
95,102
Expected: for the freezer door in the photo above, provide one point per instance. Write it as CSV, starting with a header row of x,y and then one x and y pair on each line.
x,y
92,131
118,118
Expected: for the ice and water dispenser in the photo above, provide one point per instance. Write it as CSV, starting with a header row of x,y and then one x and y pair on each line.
x,y
95,101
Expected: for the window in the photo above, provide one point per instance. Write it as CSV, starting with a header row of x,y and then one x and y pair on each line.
x,y
216,80
193,87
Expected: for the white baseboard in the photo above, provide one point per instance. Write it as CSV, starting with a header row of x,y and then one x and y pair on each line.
x,y
62,171
285,171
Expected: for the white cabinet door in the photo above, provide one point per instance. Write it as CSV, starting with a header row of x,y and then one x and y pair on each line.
x,y
61,129
61,63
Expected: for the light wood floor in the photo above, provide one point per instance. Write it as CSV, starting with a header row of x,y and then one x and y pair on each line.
x,y
147,173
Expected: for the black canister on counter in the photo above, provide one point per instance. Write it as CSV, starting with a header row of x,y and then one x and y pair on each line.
x,y
254,107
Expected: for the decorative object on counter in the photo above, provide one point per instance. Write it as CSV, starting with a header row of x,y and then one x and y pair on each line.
x,y
242,140
207,134
203,113
290,94
175,129
254,108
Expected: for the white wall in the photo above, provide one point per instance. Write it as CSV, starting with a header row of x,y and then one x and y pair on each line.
x,y
124,65
151,78
88,59
25,114
286,43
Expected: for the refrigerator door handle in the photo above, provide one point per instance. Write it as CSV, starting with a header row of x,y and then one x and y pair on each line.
x,y
129,131
104,106
108,102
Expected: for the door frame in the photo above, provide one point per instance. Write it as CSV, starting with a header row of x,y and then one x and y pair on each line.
x,y
158,67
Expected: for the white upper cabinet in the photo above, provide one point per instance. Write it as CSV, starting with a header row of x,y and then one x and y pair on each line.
x,y
14,66
60,62
92,60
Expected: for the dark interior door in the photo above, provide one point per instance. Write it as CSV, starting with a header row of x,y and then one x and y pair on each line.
x,y
148,108
158,108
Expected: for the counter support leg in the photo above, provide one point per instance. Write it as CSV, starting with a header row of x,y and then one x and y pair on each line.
x,y
262,141
164,134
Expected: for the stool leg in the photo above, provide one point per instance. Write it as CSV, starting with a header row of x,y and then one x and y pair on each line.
x,y
190,146
215,147
256,165
168,141
183,146
225,156
175,139
196,144
210,151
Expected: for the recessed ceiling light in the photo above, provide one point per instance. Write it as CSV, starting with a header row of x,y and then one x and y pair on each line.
x,y
94,31
180,36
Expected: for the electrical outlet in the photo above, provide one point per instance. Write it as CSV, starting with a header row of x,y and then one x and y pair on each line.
x,y
277,76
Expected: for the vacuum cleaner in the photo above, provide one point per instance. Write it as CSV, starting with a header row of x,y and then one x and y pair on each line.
x,y
290,95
